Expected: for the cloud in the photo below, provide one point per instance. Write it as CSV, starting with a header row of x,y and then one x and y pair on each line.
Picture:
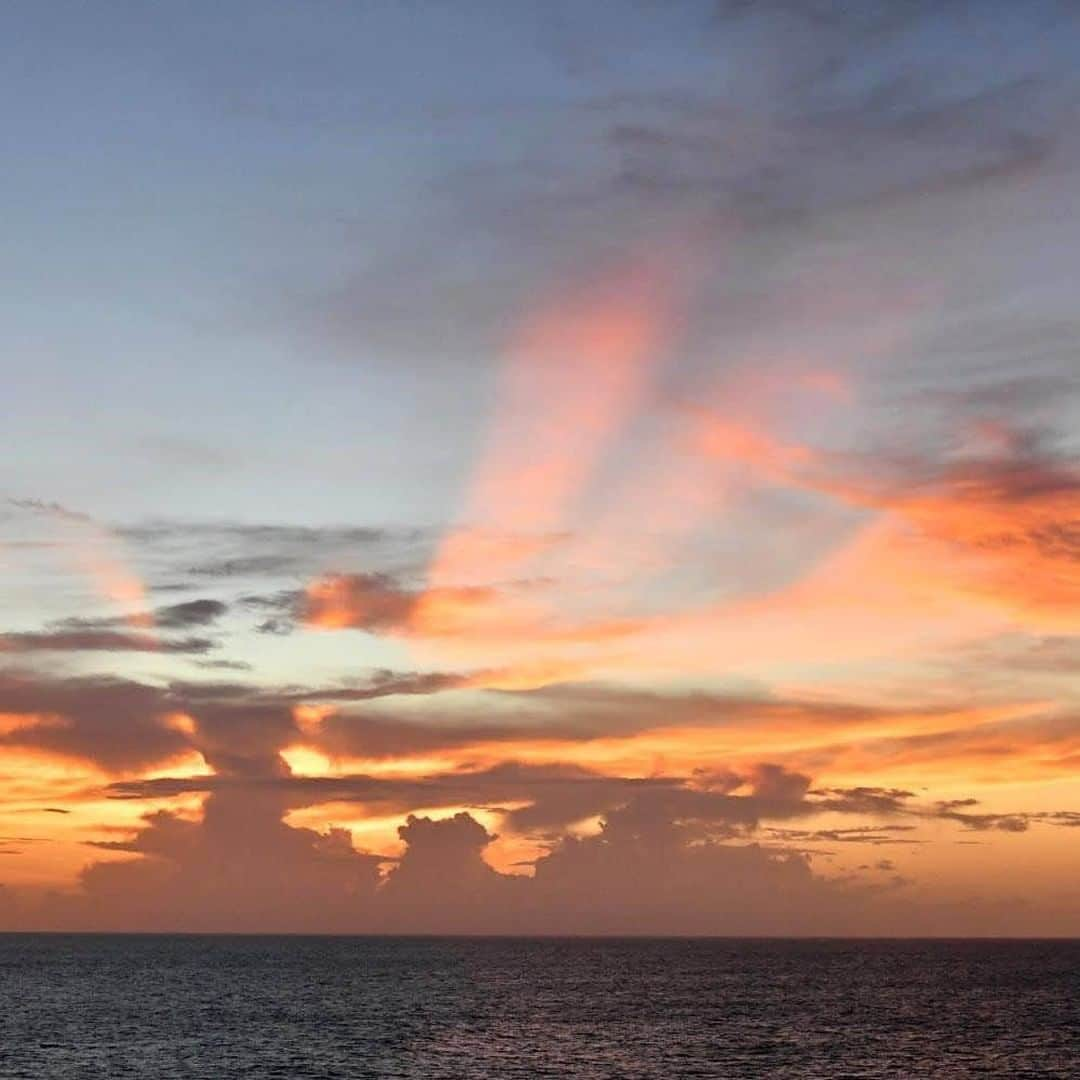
x,y
49,509
627,156
359,601
442,881
191,613
717,849
115,724
181,616
228,550
1037,742
387,717
874,835
562,717
244,566
824,226
969,540
959,810
999,504
618,729
100,641
110,634
546,800
459,623
224,665
869,800
239,865
670,852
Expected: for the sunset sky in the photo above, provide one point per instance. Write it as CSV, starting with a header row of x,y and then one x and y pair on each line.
x,y
557,467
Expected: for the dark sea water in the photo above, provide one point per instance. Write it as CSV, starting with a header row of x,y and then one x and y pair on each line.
x,y
83,1007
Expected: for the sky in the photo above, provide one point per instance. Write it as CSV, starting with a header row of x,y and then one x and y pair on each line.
x,y
506,467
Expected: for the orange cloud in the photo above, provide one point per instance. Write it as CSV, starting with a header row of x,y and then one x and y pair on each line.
x,y
962,550
574,376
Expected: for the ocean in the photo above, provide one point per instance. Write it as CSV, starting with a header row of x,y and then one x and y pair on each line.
x,y
164,1007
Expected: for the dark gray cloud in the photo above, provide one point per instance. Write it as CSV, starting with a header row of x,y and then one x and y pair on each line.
x,y
229,550
176,555
49,508
165,530
286,604
870,800
874,835
190,613
101,641
958,810
183,616
245,566
224,665
121,633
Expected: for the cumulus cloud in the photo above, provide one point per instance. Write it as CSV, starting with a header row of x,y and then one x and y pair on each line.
x,y
443,883
668,854
241,866
238,867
